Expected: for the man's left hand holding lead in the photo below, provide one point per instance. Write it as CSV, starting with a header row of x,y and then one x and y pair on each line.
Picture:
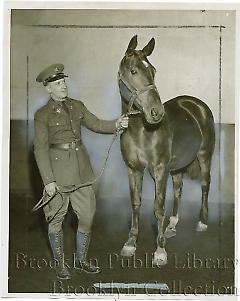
x,y
122,123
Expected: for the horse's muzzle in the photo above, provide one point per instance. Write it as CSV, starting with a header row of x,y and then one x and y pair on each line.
x,y
156,115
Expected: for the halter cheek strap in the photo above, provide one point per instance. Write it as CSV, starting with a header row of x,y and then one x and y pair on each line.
x,y
128,96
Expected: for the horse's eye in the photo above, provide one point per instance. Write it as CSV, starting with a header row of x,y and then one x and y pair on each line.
x,y
133,71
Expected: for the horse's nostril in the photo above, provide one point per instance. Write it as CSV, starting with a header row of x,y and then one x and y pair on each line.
x,y
154,112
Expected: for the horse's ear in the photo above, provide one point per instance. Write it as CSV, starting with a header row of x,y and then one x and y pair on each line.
x,y
132,45
148,49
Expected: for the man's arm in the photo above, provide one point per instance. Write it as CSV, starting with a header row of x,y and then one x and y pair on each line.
x,y
41,149
95,124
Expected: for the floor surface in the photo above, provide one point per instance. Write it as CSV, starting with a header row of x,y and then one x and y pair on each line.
x,y
197,262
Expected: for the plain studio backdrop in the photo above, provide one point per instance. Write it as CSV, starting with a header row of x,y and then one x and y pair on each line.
x,y
194,55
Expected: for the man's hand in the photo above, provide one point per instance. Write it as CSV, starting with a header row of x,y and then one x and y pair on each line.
x,y
51,188
122,123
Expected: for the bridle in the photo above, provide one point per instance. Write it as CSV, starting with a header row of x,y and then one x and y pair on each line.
x,y
131,95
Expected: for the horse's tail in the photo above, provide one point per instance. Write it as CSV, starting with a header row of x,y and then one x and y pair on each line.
x,y
193,170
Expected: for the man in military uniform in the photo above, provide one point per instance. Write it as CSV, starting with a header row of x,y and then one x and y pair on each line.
x,y
63,162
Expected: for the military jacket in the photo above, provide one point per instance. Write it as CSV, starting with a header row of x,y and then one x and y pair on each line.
x,y
54,124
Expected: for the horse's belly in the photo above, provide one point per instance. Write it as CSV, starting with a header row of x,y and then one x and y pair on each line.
x,y
143,148
186,142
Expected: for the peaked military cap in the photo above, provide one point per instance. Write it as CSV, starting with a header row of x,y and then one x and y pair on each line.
x,y
51,74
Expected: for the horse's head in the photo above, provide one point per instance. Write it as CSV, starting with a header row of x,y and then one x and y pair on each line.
x,y
136,82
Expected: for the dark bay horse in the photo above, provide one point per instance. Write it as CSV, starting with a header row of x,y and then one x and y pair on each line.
x,y
171,138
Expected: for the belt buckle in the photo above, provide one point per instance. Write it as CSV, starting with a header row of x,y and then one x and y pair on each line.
x,y
73,144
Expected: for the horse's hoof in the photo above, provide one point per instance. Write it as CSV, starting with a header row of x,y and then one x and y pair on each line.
x,y
160,257
128,251
201,227
170,232
171,228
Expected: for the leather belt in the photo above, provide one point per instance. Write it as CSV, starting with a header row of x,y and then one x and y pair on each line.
x,y
70,145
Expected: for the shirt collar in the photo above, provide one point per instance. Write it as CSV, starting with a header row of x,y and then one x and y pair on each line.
x,y
56,104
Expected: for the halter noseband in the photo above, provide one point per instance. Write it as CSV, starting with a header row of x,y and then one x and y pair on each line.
x,y
131,94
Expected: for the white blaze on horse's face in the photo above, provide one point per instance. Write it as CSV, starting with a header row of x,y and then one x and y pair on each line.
x,y
145,63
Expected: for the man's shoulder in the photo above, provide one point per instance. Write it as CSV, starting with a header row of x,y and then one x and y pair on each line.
x,y
42,113
78,104
76,101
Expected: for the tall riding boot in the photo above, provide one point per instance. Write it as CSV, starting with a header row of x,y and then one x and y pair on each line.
x,y
56,242
83,240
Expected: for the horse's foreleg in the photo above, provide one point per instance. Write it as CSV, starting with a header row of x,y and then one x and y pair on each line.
x,y
161,174
135,181
177,186
205,164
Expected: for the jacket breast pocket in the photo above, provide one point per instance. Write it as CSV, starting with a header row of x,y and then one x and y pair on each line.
x,y
56,126
77,118
56,122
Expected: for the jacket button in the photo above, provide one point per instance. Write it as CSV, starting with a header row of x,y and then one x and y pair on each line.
x,y
57,123
76,148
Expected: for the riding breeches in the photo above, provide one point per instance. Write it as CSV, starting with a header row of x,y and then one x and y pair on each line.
x,y
83,202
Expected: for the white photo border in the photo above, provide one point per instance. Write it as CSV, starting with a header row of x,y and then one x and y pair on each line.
x,y
5,128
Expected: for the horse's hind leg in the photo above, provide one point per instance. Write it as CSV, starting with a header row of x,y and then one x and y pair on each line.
x,y
135,180
177,186
205,164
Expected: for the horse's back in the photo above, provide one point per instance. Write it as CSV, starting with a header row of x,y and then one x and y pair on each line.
x,y
191,122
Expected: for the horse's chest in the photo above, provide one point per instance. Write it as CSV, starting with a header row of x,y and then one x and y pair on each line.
x,y
141,150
